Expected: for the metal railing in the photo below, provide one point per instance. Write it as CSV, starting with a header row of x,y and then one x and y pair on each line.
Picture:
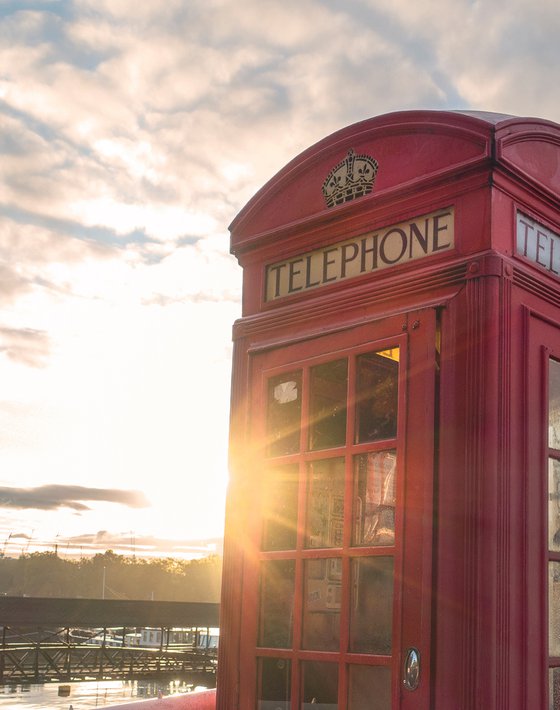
x,y
59,656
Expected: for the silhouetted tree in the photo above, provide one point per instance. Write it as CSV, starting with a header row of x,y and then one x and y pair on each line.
x,y
45,574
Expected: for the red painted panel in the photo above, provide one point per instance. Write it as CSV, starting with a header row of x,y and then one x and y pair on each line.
x,y
467,504
532,148
409,147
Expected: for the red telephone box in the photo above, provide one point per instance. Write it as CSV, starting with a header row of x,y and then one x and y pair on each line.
x,y
393,523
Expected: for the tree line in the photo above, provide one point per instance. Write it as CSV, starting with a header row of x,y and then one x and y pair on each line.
x,y
111,576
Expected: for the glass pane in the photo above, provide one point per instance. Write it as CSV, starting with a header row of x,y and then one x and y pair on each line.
x,y
325,503
369,688
280,508
274,684
554,608
554,405
327,426
277,596
321,612
376,395
284,414
371,615
554,689
553,504
320,686
374,498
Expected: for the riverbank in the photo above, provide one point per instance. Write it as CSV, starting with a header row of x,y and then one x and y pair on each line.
x,y
85,695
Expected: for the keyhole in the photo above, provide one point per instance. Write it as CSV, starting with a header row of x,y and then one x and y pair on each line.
x,y
411,675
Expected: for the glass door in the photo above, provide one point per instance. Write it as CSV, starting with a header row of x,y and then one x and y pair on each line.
x,y
542,421
553,546
543,503
336,598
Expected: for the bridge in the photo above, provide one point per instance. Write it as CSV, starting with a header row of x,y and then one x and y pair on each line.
x,y
44,639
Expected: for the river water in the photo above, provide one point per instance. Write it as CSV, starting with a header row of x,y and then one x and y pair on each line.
x,y
84,695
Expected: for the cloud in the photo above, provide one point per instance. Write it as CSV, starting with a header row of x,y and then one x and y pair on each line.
x,y
52,497
29,244
31,256
12,284
131,134
129,542
161,134
20,536
497,56
24,345
163,131
126,542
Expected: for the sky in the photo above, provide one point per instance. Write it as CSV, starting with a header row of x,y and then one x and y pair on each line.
x,y
131,134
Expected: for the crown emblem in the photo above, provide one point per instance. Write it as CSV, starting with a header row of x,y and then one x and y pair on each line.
x,y
352,177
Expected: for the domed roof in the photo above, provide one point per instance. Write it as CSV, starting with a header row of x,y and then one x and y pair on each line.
x,y
396,153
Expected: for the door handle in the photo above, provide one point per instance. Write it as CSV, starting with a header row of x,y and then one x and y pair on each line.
x,y
411,669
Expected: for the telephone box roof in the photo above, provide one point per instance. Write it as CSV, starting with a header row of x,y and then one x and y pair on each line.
x,y
409,150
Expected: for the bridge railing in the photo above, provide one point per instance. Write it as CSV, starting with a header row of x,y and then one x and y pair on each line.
x,y
44,660
48,639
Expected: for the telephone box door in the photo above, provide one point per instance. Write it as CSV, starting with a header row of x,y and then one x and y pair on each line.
x,y
336,593
543,505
